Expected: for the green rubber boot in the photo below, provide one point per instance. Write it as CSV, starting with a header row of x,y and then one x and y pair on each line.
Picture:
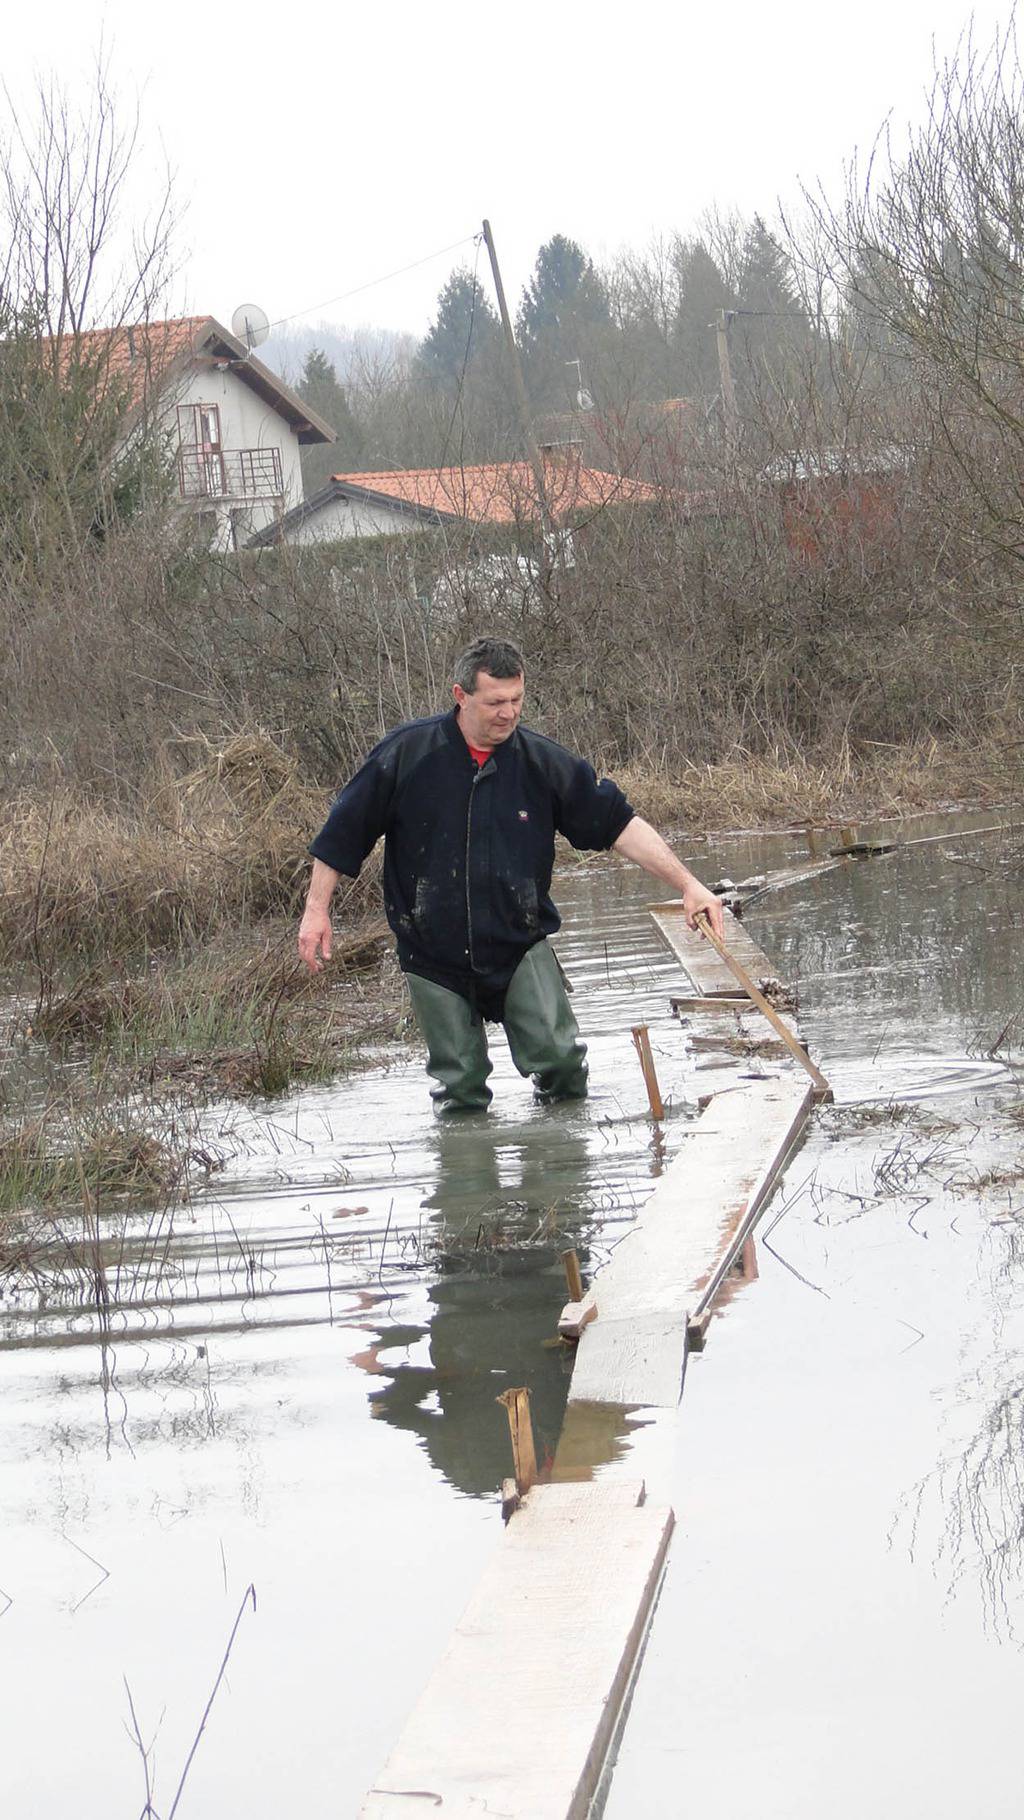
x,y
542,1032
456,1046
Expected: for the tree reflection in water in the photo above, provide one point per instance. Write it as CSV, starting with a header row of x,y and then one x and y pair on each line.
x,y
502,1210
979,1484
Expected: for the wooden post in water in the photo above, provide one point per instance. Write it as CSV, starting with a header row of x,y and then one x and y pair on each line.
x,y
642,1045
524,1458
573,1280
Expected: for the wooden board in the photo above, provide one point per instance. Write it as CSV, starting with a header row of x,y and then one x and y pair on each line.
x,y
742,1007
517,1718
790,875
633,1352
706,969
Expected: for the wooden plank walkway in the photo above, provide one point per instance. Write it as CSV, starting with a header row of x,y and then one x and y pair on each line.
x,y
519,1714
633,1352
710,975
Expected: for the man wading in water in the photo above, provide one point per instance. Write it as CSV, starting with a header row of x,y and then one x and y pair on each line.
x,y
469,803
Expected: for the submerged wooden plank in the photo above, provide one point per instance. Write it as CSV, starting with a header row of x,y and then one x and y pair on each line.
x,y
789,875
742,1007
518,1716
706,969
633,1351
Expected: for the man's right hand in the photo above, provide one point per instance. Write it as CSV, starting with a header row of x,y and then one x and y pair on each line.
x,y
315,938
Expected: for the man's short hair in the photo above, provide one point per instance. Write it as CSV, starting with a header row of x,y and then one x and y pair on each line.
x,y
498,656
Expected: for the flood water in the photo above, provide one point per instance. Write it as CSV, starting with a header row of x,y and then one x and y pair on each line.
x,y
288,1382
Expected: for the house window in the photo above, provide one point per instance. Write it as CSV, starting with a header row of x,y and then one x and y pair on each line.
x,y
209,426
200,451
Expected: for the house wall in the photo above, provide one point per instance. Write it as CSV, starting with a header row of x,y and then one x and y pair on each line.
x,y
351,518
825,516
246,422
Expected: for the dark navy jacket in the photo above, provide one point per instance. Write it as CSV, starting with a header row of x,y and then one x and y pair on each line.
x,y
468,852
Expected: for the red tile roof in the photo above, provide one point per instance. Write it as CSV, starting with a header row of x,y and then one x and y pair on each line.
x,y
140,354
144,354
503,492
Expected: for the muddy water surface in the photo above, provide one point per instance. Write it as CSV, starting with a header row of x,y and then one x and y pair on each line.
x,y
288,1381
842,1622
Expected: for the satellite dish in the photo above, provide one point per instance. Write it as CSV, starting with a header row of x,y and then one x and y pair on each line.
x,y
584,402
251,325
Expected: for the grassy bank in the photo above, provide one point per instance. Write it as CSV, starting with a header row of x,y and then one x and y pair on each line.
x,y
222,848
239,1015
787,788
158,941
213,845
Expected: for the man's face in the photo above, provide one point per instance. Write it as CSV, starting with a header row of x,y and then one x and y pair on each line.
x,y
492,712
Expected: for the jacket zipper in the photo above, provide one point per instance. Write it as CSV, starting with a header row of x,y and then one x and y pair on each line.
x,y
469,830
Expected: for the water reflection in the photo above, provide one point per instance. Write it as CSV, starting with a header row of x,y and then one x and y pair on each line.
x,y
887,952
974,1496
501,1210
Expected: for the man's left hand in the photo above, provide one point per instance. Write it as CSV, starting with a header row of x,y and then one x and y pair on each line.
x,y
698,898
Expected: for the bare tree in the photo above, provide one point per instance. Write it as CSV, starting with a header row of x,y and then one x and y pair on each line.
x,y
78,276
927,255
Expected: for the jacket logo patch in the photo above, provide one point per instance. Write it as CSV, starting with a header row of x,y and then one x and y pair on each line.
x,y
524,815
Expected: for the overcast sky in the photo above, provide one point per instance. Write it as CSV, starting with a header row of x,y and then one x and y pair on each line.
x,y
318,147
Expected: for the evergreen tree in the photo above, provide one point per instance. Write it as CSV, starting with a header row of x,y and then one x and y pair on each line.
x,y
702,293
464,333
321,389
564,316
770,332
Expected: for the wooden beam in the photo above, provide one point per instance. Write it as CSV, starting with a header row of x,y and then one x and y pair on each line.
x,y
519,1714
573,1279
634,1352
706,1003
709,974
741,974
642,1044
574,1317
524,1457
510,1499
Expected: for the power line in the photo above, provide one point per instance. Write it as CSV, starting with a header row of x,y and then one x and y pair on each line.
x,y
456,407
399,272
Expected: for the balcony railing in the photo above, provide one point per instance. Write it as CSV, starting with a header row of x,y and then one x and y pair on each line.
x,y
230,474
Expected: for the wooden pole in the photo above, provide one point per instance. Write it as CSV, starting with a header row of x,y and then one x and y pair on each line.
x,y
574,1282
642,1045
529,440
740,973
732,416
524,1458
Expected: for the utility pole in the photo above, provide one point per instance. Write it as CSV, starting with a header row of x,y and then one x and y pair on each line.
x,y
529,440
732,416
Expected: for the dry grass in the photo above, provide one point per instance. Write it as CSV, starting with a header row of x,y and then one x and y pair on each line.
x,y
237,1015
74,1154
222,843
785,787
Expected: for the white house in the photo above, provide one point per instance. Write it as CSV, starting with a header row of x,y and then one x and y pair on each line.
x,y
500,493
232,428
